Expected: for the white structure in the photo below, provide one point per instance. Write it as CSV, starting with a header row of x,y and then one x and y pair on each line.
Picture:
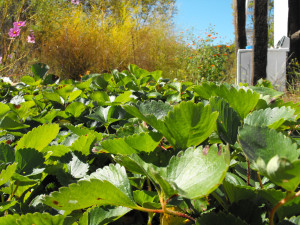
x,y
281,10
277,57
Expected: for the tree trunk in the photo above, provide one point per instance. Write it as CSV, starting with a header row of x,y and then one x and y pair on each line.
x,y
294,33
260,40
239,7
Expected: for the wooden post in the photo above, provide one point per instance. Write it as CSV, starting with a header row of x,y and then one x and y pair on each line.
x,y
240,24
260,40
294,32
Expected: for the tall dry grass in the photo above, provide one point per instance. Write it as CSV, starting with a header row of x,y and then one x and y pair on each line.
x,y
94,41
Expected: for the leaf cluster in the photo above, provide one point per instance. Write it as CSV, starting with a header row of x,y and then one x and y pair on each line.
x,y
131,146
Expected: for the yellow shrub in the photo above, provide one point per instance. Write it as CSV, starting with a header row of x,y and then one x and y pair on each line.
x,y
94,41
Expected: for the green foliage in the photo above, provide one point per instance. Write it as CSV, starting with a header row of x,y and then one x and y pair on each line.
x,y
187,125
273,154
111,187
38,138
143,142
133,142
36,218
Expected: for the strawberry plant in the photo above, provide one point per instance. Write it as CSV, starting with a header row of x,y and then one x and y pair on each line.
x,y
133,148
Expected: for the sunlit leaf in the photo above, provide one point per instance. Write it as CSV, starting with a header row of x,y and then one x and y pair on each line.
x,y
7,173
271,118
39,137
110,186
143,142
84,144
75,109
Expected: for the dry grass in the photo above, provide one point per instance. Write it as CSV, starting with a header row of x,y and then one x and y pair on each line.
x,y
97,43
291,98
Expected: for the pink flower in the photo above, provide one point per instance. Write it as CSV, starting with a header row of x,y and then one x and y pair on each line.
x,y
0,59
19,24
75,2
31,38
14,32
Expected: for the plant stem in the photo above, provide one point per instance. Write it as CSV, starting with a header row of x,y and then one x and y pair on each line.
x,y
12,194
168,211
164,209
259,180
150,218
287,198
149,184
248,172
176,213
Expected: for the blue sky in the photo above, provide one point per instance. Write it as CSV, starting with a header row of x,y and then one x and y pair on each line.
x,y
200,14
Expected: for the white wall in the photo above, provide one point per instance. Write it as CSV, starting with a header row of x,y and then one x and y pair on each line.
x,y
280,19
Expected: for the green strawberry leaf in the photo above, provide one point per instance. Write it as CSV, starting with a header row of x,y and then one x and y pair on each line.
x,y
104,115
6,205
24,109
39,70
56,150
271,118
30,81
228,121
136,143
145,111
39,137
261,142
75,109
100,97
241,101
80,131
295,220
9,124
52,96
273,155
28,160
4,108
111,187
104,215
73,95
48,117
7,173
206,90
207,166
123,98
187,125
84,144
64,91
267,91
41,218
9,219
147,198
84,84
7,153
77,168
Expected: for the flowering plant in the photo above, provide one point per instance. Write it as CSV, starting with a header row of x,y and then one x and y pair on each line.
x,y
8,56
14,32
202,59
